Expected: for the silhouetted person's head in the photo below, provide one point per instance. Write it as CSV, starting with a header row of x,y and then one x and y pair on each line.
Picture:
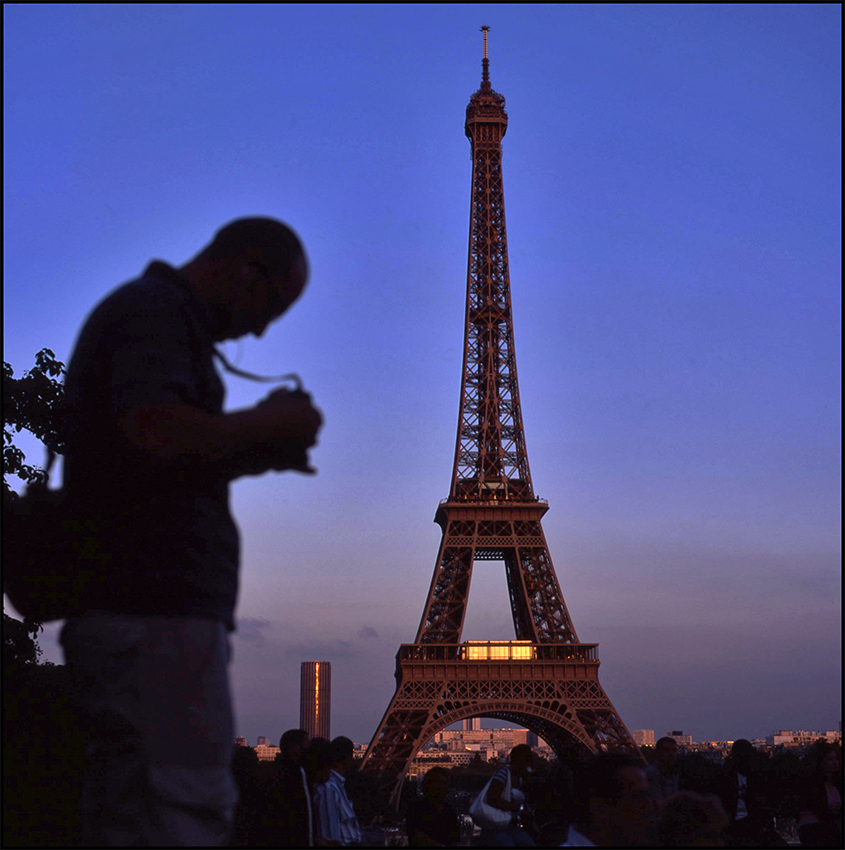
x,y
341,754
693,820
521,759
611,796
315,760
292,744
244,762
251,273
435,785
823,761
743,756
666,754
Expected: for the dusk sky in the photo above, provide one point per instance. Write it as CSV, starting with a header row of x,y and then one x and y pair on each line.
x,y
672,186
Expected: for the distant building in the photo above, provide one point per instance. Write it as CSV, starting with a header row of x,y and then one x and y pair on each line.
x,y
500,740
471,724
458,747
643,737
266,752
681,739
315,698
427,759
240,741
800,738
262,742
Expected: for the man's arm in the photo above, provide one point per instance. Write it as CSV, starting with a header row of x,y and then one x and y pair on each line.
x,y
245,442
495,799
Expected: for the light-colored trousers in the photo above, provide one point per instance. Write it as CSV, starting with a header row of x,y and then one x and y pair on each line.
x,y
155,692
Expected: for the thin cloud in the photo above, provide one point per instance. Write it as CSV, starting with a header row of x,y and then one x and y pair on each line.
x,y
251,630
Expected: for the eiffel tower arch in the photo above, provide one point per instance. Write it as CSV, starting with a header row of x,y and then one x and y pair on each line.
x,y
545,679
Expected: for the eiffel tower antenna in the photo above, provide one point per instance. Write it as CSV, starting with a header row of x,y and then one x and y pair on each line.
x,y
485,62
546,679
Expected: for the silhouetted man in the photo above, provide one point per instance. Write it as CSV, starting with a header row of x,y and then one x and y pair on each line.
x,y
337,823
744,794
611,793
431,821
663,775
150,454
290,822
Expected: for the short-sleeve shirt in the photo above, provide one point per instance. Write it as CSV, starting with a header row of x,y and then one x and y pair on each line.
x,y
171,545
336,819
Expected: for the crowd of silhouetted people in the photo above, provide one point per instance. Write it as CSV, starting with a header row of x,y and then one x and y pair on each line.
x,y
609,800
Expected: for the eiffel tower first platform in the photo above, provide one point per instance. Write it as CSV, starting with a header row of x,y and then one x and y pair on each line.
x,y
546,680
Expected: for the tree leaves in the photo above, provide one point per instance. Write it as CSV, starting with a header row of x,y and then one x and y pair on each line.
x,y
35,403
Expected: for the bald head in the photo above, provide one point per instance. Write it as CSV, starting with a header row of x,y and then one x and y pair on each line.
x,y
260,240
250,274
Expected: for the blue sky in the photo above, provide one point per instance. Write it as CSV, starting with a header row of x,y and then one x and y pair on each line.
x,y
672,184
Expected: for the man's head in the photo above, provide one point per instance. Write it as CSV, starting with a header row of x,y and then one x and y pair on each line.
x,y
315,759
435,785
251,273
616,807
341,754
693,820
743,755
293,744
521,758
666,754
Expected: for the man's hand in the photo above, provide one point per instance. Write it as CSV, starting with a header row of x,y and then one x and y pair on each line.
x,y
273,435
293,414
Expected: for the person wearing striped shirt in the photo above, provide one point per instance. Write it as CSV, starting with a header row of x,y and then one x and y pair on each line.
x,y
337,824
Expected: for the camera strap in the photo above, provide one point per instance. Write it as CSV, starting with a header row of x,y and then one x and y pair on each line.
x,y
291,376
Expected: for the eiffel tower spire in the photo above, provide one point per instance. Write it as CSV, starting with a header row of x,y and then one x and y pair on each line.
x,y
545,680
490,458
491,471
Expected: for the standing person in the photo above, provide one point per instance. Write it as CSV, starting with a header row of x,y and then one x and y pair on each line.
x,y
820,814
692,820
150,454
431,821
744,795
611,793
288,819
337,823
663,775
518,768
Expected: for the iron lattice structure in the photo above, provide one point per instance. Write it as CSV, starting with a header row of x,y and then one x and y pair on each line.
x,y
546,681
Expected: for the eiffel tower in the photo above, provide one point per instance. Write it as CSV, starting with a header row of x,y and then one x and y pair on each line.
x,y
546,680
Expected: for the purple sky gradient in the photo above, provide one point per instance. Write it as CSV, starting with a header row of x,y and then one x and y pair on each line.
x,y
672,185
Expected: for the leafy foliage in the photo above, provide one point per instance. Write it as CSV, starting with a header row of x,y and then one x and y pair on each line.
x,y
35,403
19,646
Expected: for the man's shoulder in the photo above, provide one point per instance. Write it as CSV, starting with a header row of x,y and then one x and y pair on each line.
x,y
326,789
501,775
146,294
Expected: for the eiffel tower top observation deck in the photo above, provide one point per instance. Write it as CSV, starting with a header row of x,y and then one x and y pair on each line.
x,y
491,463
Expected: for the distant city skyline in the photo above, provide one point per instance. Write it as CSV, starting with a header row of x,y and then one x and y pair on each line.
x,y
802,737
672,175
